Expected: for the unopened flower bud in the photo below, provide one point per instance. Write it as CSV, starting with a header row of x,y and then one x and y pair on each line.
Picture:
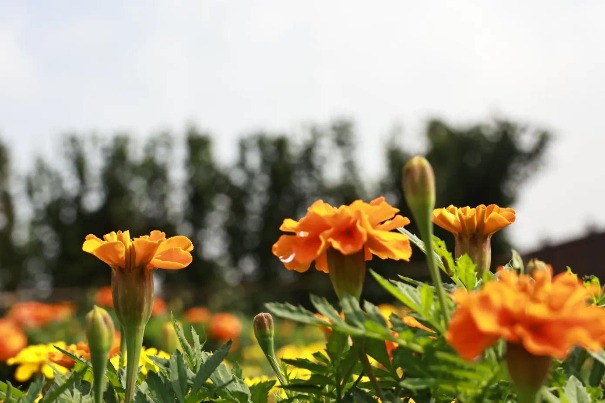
x,y
100,331
419,186
536,264
263,331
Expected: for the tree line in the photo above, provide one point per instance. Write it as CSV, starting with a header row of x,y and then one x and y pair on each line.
x,y
232,212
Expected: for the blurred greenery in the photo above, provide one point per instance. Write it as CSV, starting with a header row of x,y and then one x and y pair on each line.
x,y
232,212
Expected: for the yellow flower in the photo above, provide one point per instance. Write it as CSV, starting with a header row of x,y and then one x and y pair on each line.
x,y
36,359
291,351
132,262
473,229
151,251
145,363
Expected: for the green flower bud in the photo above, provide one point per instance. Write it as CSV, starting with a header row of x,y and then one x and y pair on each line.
x,y
263,331
99,332
419,186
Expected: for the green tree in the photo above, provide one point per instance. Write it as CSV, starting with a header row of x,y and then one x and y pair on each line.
x,y
11,255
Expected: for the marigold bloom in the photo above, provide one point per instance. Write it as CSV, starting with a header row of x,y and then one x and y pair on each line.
x,y
13,339
225,326
197,314
132,262
348,229
36,359
473,229
145,363
38,314
80,349
103,297
547,316
153,251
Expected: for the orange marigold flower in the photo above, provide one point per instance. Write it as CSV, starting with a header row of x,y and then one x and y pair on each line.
x,y
159,307
225,326
104,298
37,314
473,229
546,316
358,227
197,314
13,339
80,349
153,251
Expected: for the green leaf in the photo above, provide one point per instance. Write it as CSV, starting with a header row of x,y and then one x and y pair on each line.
x,y
54,394
8,390
466,271
295,313
159,388
177,374
32,392
185,346
259,392
427,296
406,294
361,396
304,363
416,384
211,363
575,391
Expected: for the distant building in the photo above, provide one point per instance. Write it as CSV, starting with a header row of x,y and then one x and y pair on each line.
x,y
584,255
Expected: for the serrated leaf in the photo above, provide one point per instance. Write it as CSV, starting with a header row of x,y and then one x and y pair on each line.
x,y
575,391
427,296
211,363
416,384
259,392
158,388
33,391
190,356
406,294
53,394
295,313
177,374
361,396
466,271
304,363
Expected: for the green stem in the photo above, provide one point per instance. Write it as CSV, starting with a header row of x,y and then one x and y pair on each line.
x,y
425,225
122,348
99,364
369,370
134,343
527,396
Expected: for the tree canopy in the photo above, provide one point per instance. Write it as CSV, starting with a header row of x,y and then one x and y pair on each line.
x,y
231,211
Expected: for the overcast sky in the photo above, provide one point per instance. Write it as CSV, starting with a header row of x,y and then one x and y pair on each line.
x,y
235,67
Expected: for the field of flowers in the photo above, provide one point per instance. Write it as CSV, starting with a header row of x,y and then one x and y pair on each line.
x,y
517,333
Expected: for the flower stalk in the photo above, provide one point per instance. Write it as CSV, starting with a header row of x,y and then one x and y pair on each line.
x,y
264,333
99,332
419,190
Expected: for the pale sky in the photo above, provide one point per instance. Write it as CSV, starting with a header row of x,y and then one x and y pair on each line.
x,y
234,67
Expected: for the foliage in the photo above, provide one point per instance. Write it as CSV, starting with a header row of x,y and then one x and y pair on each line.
x,y
233,210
